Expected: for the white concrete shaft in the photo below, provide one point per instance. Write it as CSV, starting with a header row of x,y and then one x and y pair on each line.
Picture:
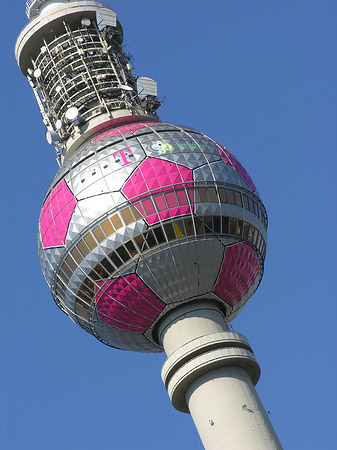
x,y
222,400
189,322
228,412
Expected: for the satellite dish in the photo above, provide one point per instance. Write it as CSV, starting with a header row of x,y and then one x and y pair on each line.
x,y
73,115
58,88
86,22
37,73
52,137
58,124
43,49
125,87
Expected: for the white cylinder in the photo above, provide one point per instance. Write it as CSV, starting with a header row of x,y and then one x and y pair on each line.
x,y
51,5
228,412
189,322
210,373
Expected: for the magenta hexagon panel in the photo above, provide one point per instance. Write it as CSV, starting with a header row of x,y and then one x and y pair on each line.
x,y
167,183
236,165
131,128
238,273
56,214
127,303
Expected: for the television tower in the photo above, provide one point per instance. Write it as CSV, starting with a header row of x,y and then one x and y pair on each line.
x,y
152,236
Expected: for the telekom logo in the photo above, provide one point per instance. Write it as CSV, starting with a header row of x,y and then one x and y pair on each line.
x,y
122,156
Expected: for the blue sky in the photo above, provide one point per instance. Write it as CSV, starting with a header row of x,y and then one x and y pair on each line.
x,y
259,76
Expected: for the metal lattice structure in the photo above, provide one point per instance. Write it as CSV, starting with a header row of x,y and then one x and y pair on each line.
x,y
80,75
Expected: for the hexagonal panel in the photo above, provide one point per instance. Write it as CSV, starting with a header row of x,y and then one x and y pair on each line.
x,y
239,270
127,303
56,214
157,176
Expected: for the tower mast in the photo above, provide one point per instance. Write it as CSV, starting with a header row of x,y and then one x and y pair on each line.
x,y
152,236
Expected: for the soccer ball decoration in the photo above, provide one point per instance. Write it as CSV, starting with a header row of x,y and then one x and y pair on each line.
x,y
144,218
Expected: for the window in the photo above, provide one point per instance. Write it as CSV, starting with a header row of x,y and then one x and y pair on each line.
x,y
98,233
245,201
213,195
225,225
258,242
127,216
182,199
116,221
239,228
199,226
171,199
238,200
208,224
76,255
148,206
141,244
159,235
169,231
123,253
66,272
82,248
255,236
150,239
135,213
71,263
179,228
160,202
251,233
90,241
107,265
245,231
131,249
217,224
230,196
115,259
203,197
251,205
232,226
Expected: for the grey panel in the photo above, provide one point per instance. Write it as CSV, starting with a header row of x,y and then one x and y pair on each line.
x,y
146,86
124,339
106,17
159,272
183,271
210,255
220,172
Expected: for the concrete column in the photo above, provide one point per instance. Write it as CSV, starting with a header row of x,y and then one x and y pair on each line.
x,y
210,372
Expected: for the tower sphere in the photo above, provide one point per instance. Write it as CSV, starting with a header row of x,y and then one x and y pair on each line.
x,y
144,218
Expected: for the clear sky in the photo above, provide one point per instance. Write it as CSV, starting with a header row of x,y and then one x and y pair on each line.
x,y
259,76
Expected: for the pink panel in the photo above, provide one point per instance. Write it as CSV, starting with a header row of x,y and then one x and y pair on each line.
x,y
131,128
127,303
171,199
148,206
56,214
182,197
157,175
238,273
236,165
160,202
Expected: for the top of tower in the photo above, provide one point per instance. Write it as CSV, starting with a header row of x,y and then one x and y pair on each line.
x,y
33,7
